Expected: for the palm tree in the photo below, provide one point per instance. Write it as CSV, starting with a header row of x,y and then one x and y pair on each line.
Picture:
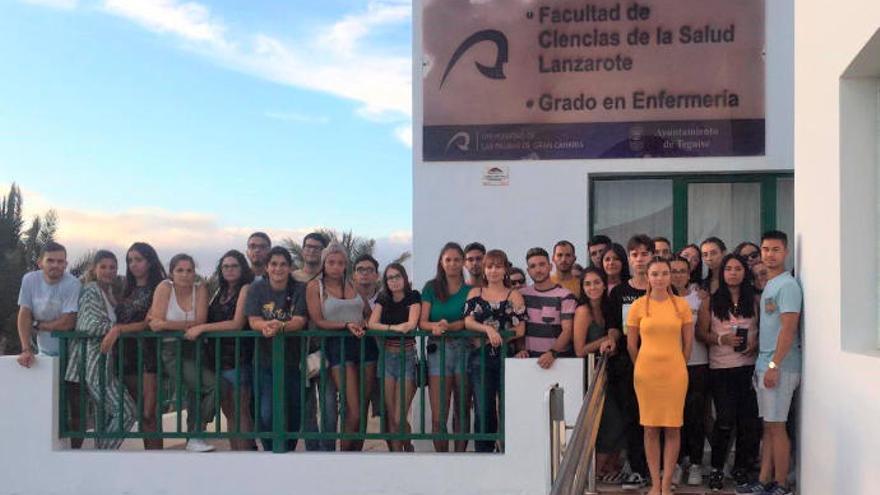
x,y
80,265
353,244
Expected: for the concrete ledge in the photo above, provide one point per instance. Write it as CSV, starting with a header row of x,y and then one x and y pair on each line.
x,y
34,463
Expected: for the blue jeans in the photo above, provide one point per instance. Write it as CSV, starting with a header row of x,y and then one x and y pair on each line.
x,y
313,411
292,383
244,371
485,399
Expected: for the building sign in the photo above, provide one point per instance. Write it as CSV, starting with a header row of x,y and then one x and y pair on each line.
x,y
565,79
496,175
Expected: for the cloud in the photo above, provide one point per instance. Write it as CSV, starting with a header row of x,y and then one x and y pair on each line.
x,y
55,4
338,60
198,234
344,35
404,135
190,20
297,117
343,59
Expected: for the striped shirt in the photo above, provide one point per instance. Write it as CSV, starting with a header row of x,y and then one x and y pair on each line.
x,y
545,312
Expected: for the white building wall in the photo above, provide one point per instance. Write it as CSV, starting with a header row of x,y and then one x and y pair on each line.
x,y
33,462
836,218
548,200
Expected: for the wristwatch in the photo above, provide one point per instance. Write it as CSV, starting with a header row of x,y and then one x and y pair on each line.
x,y
772,365
554,353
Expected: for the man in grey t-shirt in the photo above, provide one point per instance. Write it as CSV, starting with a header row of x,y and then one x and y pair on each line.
x,y
47,302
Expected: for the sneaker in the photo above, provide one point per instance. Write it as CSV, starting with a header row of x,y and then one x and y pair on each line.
x,y
750,488
635,481
198,445
676,475
695,475
774,489
613,478
740,476
716,480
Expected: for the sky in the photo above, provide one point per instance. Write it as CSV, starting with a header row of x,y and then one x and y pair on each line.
x,y
191,124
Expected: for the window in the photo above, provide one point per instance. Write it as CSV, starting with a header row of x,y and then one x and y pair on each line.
x,y
632,206
690,208
860,201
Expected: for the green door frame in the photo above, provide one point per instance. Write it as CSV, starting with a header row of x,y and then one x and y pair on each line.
x,y
680,182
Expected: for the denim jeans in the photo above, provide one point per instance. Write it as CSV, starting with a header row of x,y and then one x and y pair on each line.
x,y
292,383
485,395
328,415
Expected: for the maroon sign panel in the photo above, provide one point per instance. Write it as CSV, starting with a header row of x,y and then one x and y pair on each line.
x,y
510,80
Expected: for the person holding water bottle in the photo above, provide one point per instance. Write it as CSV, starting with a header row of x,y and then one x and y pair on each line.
x,y
728,325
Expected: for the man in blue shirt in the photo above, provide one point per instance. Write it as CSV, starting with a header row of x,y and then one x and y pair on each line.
x,y
778,367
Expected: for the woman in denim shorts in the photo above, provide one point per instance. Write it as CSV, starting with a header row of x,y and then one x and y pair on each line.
x,y
397,309
443,300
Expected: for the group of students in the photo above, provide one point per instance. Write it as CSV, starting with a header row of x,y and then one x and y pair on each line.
x,y
671,334
678,329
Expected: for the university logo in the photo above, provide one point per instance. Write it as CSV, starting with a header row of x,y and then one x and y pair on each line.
x,y
637,138
492,72
461,140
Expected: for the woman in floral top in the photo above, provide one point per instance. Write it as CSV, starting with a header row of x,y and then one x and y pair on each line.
x,y
491,309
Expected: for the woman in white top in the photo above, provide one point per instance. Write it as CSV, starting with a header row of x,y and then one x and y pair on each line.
x,y
693,432
179,304
334,304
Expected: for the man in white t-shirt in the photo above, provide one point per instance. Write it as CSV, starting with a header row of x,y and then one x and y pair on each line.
x,y
47,302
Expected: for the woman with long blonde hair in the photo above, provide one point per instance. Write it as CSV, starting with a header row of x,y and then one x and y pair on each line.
x,y
334,304
96,317
660,332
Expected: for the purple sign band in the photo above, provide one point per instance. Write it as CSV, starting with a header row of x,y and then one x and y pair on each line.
x,y
691,138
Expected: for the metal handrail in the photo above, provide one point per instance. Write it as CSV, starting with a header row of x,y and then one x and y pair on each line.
x,y
275,359
574,469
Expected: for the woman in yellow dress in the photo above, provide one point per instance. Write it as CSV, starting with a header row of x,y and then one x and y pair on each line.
x,y
660,331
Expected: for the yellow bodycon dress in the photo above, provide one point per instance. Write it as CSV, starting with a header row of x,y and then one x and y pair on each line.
x,y
660,376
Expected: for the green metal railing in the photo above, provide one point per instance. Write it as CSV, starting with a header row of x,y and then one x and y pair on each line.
x,y
171,388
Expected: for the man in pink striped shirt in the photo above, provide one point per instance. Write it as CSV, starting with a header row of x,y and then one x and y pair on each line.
x,y
550,313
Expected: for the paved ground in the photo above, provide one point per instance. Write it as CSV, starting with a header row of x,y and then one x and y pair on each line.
x,y
169,423
690,490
